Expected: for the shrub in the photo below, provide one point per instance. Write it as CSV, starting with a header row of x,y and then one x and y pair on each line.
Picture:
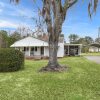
x,y
11,60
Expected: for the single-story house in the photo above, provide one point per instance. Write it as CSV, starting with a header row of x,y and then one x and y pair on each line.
x,y
94,47
33,47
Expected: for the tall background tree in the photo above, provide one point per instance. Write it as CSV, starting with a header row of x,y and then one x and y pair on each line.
x,y
85,41
73,38
97,40
3,39
15,36
7,39
89,40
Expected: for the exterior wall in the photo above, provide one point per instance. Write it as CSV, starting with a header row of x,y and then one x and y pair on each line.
x,y
30,42
60,53
79,50
94,49
60,50
46,51
27,53
38,52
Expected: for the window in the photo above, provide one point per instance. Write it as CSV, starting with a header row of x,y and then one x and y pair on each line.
x,y
35,48
32,49
26,48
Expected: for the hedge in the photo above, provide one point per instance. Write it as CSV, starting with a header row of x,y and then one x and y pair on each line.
x,y
11,60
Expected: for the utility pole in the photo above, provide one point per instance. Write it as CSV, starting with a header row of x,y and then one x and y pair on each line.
x,y
99,33
99,38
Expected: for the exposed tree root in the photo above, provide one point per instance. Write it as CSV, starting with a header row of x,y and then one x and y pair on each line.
x,y
57,68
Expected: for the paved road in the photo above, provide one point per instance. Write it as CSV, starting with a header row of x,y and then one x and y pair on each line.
x,y
94,58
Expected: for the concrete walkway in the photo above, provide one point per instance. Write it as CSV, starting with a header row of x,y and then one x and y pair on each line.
x,y
94,58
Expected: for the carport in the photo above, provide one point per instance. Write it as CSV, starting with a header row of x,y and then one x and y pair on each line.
x,y
72,49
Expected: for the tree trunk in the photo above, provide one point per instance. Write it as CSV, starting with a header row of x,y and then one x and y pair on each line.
x,y
53,48
54,15
53,64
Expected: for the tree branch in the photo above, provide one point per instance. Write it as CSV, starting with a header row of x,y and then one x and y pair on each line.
x,y
69,3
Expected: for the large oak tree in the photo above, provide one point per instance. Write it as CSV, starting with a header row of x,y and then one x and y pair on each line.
x,y
54,13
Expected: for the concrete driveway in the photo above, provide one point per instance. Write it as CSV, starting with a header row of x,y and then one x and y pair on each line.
x,y
94,58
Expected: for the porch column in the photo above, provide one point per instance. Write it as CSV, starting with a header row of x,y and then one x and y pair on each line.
x,y
29,50
68,49
44,51
79,50
21,49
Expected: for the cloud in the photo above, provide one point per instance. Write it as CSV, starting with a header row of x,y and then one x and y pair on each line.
x,y
7,24
12,16
23,12
13,25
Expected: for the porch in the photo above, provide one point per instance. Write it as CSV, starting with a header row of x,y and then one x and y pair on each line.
x,y
33,52
72,49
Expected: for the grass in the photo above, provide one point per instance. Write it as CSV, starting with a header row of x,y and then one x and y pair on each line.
x,y
81,82
91,54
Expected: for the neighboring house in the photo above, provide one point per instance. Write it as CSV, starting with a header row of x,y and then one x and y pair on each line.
x,y
95,47
31,47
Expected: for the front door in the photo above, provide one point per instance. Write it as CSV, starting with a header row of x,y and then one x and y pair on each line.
x,y
42,50
32,51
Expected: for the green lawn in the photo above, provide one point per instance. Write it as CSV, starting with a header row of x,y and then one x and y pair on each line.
x,y
91,54
81,82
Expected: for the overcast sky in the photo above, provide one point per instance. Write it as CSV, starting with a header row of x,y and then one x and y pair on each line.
x,y
77,19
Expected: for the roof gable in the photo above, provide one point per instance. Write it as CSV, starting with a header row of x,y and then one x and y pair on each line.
x,y
29,41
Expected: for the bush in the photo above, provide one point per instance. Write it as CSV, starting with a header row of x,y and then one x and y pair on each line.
x,y
11,60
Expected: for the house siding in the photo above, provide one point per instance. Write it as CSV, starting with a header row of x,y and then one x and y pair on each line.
x,y
60,52
37,53
94,49
46,51
32,43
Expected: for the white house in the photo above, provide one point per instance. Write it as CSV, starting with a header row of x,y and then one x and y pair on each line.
x,y
95,47
33,47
